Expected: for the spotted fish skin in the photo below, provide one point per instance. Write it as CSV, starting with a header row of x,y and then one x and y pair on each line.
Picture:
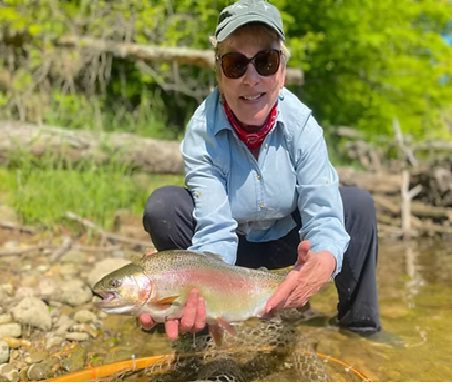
x,y
160,283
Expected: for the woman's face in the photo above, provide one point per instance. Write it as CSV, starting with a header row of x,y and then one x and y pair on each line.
x,y
252,96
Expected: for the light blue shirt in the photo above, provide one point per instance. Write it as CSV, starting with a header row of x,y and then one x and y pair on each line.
x,y
236,194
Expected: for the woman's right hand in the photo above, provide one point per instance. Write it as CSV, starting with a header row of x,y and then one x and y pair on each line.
x,y
193,317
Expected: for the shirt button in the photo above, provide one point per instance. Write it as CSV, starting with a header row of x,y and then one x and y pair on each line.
x,y
258,177
261,205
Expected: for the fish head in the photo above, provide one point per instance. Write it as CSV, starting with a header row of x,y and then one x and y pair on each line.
x,y
124,290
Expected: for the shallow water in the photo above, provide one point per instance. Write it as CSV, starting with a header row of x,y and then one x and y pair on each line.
x,y
415,293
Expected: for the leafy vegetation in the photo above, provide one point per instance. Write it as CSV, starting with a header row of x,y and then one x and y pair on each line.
x,y
42,193
365,62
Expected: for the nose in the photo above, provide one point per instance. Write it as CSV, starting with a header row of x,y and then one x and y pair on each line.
x,y
251,77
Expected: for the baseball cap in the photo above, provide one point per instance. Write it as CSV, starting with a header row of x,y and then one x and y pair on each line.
x,y
247,11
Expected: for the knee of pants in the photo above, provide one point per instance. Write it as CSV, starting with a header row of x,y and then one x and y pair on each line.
x,y
159,205
359,207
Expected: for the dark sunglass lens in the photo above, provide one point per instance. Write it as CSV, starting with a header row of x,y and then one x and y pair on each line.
x,y
234,65
267,62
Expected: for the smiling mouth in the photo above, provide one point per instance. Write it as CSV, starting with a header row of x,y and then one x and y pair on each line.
x,y
252,98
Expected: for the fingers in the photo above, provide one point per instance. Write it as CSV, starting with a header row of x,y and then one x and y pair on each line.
x,y
193,317
194,314
200,321
282,293
303,250
172,329
146,321
190,309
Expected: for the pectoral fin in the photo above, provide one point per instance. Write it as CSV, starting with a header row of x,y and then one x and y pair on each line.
x,y
166,300
217,330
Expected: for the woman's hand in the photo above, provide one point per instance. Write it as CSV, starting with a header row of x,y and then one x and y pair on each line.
x,y
193,317
311,272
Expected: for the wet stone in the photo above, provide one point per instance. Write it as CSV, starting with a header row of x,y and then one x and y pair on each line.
x,y
76,336
37,356
10,329
63,324
5,318
90,330
33,311
54,341
14,342
85,316
39,371
23,292
4,352
8,372
7,288
23,376
74,292
76,361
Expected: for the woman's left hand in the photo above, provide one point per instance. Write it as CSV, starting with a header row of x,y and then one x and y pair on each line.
x,y
311,272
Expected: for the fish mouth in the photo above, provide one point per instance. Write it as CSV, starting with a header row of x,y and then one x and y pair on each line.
x,y
109,298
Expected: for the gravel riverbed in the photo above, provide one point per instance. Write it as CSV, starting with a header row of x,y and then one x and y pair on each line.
x,y
49,325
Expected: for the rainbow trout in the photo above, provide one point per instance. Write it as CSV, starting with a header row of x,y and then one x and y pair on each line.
x,y
160,284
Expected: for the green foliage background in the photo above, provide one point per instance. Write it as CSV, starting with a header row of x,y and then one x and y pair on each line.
x,y
366,62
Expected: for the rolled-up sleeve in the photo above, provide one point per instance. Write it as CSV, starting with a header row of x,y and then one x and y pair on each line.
x,y
319,200
207,180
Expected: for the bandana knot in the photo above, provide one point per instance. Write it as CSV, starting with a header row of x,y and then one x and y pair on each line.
x,y
253,140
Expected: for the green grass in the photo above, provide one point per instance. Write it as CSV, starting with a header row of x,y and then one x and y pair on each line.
x,y
42,193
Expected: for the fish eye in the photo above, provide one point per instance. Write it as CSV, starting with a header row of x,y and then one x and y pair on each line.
x,y
115,283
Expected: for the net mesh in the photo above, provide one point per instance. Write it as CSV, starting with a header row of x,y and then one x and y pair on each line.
x,y
258,350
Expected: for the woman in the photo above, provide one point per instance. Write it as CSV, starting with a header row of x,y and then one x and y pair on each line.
x,y
260,188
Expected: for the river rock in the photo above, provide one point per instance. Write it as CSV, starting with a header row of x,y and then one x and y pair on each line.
x,y
8,372
10,329
85,316
73,292
39,371
33,311
4,352
76,361
5,318
63,324
76,336
103,268
47,287
54,341
36,356
23,292
7,288
70,291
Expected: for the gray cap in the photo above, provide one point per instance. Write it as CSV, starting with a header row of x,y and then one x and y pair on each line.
x,y
247,11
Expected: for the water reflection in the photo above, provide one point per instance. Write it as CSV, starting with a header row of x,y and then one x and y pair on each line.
x,y
416,305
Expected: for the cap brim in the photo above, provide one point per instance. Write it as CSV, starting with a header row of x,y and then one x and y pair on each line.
x,y
241,21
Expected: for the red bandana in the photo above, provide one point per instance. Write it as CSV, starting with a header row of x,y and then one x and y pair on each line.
x,y
252,140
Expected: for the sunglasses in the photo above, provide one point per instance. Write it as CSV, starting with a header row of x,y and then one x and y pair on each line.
x,y
235,64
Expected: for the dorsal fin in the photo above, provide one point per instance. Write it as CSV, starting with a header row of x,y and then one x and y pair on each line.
x,y
213,255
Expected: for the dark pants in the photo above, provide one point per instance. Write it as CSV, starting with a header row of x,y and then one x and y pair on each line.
x,y
168,219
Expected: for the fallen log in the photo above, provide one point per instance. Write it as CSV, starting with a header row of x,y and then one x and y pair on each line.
x,y
181,55
148,155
